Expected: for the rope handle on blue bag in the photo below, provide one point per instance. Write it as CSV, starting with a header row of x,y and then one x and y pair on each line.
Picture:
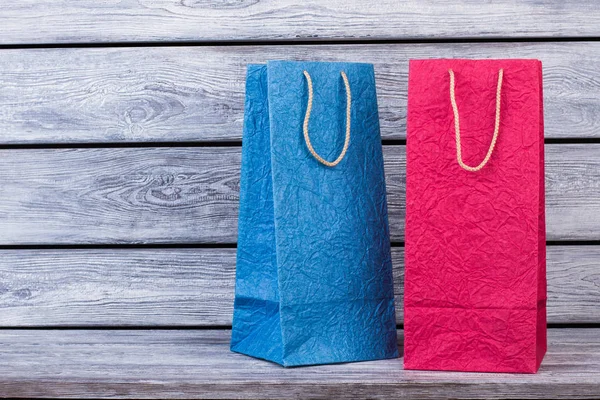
x,y
457,124
307,119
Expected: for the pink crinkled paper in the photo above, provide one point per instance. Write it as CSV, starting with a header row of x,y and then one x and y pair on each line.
x,y
475,279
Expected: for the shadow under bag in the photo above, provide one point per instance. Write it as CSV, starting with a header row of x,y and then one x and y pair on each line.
x,y
475,270
314,275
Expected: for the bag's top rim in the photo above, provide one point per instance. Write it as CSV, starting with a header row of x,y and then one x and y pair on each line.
x,y
475,60
309,62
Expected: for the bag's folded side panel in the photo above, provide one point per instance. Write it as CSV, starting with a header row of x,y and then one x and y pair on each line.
x,y
333,250
256,324
542,286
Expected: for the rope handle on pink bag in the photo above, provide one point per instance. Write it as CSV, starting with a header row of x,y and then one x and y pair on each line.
x,y
457,123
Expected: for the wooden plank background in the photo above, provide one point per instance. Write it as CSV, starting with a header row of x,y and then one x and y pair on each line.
x,y
194,287
127,363
120,135
179,94
84,21
123,364
190,195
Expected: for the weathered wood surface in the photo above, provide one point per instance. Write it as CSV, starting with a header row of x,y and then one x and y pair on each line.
x,y
191,194
118,287
96,95
107,195
198,364
63,21
195,287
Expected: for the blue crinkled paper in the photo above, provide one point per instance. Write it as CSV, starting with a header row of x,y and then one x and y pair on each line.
x,y
314,274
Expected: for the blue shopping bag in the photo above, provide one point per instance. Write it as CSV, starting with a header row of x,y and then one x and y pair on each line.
x,y
314,274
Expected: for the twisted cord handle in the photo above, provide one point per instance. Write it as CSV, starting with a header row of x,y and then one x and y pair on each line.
x,y
457,123
307,119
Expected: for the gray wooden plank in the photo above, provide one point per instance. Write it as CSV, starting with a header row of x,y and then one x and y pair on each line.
x,y
51,21
97,95
125,195
191,194
124,287
198,364
195,287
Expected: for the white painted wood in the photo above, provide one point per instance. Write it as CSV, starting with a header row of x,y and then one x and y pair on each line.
x,y
83,21
198,364
173,94
195,287
191,194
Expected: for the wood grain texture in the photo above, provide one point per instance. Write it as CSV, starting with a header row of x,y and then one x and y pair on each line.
x,y
119,287
63,21
96,95
191,194
198,364
195,287
107,195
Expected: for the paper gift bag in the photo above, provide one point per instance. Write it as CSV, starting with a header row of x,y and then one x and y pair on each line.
x,y
314,275
475,278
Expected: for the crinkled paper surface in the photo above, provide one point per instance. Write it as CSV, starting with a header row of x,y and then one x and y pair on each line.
x,y
314,275
475,285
